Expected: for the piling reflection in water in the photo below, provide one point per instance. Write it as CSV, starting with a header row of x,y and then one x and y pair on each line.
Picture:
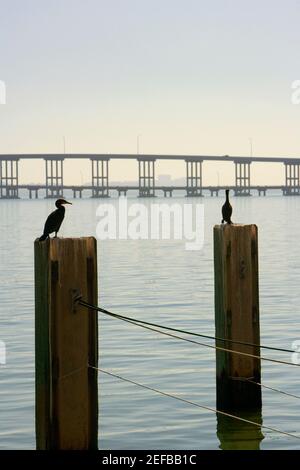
x,y
238,435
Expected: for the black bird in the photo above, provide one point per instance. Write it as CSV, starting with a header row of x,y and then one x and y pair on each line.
x,y
227,209
54,220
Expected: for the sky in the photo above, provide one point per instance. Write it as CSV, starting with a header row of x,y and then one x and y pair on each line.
x,y
188,77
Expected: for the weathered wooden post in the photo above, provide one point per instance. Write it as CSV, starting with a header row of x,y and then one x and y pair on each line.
x,y
239,435
66,341
237,316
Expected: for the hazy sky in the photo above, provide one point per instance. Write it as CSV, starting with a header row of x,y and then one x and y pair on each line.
x,y
192,76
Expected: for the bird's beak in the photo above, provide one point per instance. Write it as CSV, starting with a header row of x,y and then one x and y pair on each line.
x,y
66,202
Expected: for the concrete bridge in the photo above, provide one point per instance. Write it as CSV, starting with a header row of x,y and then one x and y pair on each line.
x,y
166,191
100,187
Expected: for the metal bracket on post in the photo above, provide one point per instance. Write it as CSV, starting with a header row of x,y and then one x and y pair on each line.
x,y
75,297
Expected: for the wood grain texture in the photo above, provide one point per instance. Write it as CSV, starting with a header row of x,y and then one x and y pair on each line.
x,y
66,342
237,315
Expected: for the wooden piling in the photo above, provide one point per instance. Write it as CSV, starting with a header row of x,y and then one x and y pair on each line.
x,y
237,316
66,341
240,435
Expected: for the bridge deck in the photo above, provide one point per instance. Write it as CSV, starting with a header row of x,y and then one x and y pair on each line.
x,y
225,158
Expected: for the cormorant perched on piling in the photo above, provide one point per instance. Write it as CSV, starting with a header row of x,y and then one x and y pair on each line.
x,y
227,209
54,220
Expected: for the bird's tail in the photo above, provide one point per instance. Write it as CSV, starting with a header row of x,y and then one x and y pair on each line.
x,y
43,237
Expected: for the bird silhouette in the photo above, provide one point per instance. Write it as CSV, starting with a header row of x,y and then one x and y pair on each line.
x,y
227,209
54,220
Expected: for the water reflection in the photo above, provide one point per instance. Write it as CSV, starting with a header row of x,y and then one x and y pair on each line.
x,y
238,435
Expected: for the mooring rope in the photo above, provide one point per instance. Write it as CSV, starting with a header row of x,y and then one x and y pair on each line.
x,y
241,379
143,324
243,343
207,408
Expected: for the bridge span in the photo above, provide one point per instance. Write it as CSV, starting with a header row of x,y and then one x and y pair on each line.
x,y
79,191
146,187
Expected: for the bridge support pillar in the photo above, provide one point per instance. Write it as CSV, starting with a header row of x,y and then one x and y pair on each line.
x,y
9,178
100,181
242,178
75,191
262,191
193,178
214,191
54,177
146,177
33,192
122,191
168,192
292,180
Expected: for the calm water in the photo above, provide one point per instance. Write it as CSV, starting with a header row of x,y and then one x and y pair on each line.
x,y
157,281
